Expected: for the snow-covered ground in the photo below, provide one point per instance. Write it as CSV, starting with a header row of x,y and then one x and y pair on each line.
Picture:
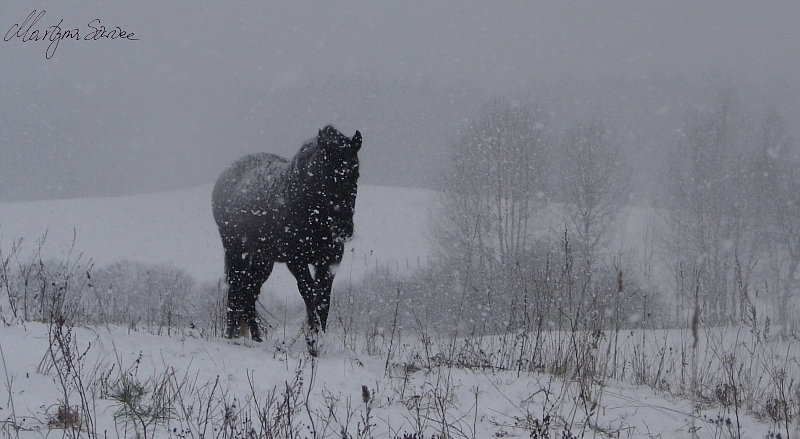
x,y
211,380
476,403
219,388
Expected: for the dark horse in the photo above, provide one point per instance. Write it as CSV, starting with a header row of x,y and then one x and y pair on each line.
x,y
299,212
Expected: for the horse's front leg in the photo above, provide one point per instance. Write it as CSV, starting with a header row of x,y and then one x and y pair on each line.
x,y
315,290
305,284
323,282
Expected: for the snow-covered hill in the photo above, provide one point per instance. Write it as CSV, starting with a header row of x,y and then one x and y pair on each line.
x,y
177,228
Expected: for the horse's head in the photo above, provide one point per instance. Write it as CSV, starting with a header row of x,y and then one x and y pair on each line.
x,y
337,158
331,140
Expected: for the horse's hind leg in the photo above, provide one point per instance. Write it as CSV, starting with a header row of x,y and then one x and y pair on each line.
x,y
245,278
259,273
237,291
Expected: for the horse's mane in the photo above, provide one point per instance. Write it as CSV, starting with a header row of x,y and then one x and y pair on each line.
x,y
300,160
311,146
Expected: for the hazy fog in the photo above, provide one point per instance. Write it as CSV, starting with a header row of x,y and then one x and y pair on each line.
x,y
208,81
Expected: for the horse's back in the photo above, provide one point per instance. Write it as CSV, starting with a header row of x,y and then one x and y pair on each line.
x,y
242,183
247,164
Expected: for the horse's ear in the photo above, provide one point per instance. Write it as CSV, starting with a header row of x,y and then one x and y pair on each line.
x,y
356,141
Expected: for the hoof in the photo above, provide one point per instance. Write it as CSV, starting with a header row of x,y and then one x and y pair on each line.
x,y
255,332
315,341
233,333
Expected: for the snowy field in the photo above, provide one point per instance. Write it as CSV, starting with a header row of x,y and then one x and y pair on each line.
x,y
177,228
109,381
223,385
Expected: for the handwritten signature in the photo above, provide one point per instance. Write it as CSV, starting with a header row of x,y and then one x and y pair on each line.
x,y
55,34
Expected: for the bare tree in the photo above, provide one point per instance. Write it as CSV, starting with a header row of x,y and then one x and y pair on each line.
x,y
490,196
710,208
777,182
594,185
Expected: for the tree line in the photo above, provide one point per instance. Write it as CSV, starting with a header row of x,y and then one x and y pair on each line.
x,y
530,223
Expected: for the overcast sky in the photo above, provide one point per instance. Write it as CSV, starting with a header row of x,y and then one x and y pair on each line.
x,y
193,58
495,44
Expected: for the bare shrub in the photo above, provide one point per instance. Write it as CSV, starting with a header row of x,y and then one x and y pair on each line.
x,y
76,382
134,294
143,406
65,418
208,304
